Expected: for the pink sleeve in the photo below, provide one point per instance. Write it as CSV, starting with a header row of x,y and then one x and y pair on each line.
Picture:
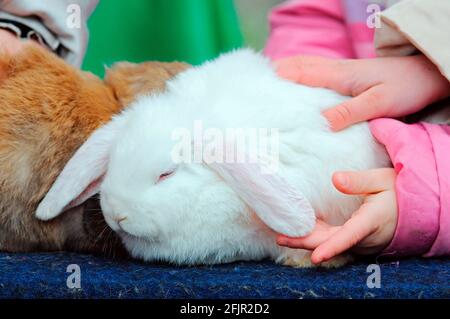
x,y
308,27
420,154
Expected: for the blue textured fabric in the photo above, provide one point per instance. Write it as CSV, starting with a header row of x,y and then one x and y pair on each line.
x,y
43,275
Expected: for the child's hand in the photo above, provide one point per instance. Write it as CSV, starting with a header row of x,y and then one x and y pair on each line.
x,y
381,87
371,227
10,44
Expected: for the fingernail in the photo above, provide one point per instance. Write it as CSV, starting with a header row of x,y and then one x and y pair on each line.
x,y
282,241
329,115
341,179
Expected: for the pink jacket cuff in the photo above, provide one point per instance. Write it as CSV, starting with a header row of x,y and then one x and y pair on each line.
x,y
308,27
420,154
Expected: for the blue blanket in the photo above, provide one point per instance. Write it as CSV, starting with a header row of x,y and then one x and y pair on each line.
x,y
44,275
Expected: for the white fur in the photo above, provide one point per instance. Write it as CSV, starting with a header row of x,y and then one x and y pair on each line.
x,y
194,216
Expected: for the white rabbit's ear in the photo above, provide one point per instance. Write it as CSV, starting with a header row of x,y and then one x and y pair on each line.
x,y
83,173
277,203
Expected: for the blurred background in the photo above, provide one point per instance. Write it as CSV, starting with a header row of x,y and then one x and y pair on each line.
x,y
166,30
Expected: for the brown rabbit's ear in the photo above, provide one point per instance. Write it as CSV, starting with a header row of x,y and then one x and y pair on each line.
x,y
129,80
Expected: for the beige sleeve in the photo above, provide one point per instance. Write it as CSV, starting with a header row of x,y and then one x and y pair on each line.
x,y
55,22
413,25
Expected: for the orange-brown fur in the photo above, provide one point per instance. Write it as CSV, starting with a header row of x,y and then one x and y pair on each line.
x,y
129,80
47,110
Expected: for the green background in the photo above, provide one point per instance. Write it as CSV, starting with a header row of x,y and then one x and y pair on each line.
x,y
163,30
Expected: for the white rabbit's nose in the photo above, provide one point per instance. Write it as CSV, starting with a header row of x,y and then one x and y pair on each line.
x,y
119,219
114,221
122,225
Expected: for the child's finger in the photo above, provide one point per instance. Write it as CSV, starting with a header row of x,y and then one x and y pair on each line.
x,y
366,106
317,71
364,182
350,234
320,234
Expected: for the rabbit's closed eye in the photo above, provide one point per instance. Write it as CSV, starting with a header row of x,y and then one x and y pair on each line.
x,y
165,175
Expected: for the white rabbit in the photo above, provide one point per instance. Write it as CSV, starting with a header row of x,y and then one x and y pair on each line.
x,y
191,213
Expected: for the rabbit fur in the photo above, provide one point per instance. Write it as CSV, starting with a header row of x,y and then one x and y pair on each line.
x,y
207,213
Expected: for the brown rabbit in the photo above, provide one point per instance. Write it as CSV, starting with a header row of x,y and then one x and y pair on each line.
x,y
47,110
